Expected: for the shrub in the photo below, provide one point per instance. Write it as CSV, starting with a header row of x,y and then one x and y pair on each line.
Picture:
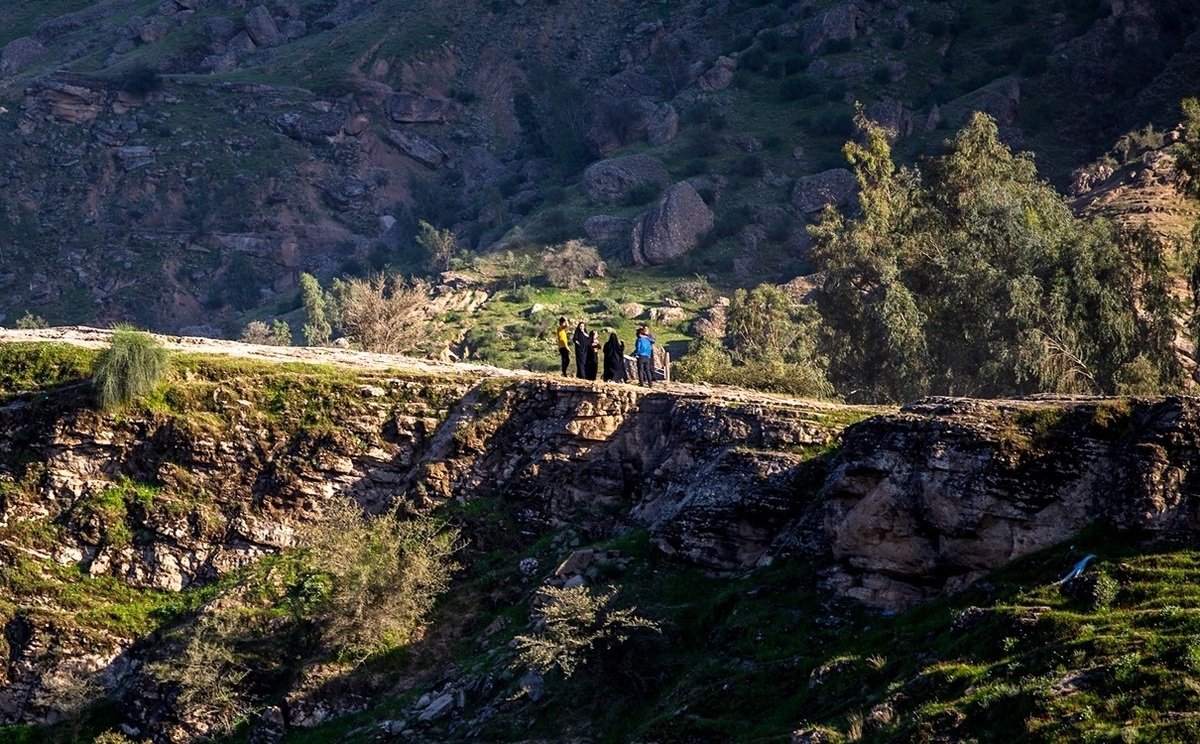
x,y
258,332
798,87
384,575
383,312
578,626
750,166
29,321
571,263
255,332
140,80
132,366
208,673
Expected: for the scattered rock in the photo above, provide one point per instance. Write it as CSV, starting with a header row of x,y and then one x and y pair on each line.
x,y
1000,99
841,22
406,107
418,148
441,706
836,186
719,76
261,28
20,54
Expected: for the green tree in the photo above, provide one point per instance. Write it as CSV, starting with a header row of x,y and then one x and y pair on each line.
x,y
1187,159
769,345
316,327
383,574
970,276
281,334
29,321
439,245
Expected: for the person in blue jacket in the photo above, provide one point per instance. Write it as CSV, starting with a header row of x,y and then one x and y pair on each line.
x,y
643,350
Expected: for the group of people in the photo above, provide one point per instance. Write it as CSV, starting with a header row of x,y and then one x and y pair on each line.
x,y
589,355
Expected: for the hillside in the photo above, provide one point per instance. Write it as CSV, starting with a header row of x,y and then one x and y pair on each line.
x,y
178,165
813,572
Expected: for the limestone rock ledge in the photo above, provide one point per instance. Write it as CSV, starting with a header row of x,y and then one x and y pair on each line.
x,y
931,498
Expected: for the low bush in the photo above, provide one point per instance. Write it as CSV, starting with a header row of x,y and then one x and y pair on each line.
x,y
132,366
571,263
383,575
577,627
383,312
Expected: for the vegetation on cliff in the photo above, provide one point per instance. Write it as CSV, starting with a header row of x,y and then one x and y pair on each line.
x,y
323,630
969,276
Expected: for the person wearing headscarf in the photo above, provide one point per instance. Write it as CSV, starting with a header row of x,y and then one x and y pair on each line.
x,y
581,341
591,362
614,359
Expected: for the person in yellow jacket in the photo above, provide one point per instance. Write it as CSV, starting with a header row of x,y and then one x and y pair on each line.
x,y
563,344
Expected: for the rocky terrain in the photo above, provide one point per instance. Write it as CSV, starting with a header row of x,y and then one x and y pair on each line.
x,y
178,164
877,508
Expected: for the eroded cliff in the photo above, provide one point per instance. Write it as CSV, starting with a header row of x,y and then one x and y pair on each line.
x,y
119,528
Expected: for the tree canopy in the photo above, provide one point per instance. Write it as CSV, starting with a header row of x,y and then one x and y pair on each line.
x,y
967,275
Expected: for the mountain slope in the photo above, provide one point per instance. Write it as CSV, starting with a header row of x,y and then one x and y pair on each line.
x,y
177,164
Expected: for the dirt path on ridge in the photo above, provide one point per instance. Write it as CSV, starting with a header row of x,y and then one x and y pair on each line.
x,y
98,338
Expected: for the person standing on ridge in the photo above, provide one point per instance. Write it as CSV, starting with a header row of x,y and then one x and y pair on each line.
x,y
582,342
563,352
643,349
614,359
591,361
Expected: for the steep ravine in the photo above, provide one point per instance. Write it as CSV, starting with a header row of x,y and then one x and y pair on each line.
x,y
237,454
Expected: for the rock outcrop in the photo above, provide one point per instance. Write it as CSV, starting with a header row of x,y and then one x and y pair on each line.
x,y
930,499
19,54
610,181
672,228
839,23
836,187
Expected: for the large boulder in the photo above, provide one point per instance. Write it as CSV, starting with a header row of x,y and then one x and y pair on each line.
x,y
616,122
840,22
672,228
316,128
892,116
662,126
999,99
933,497
406,107
261,28
424,151
480,168
610,181
836,186
19,54
603,228
719,76
91,15
66,101
346,10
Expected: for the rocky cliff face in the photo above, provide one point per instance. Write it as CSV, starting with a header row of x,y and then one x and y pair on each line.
x,y
235,460
237,465
931,498
177,163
